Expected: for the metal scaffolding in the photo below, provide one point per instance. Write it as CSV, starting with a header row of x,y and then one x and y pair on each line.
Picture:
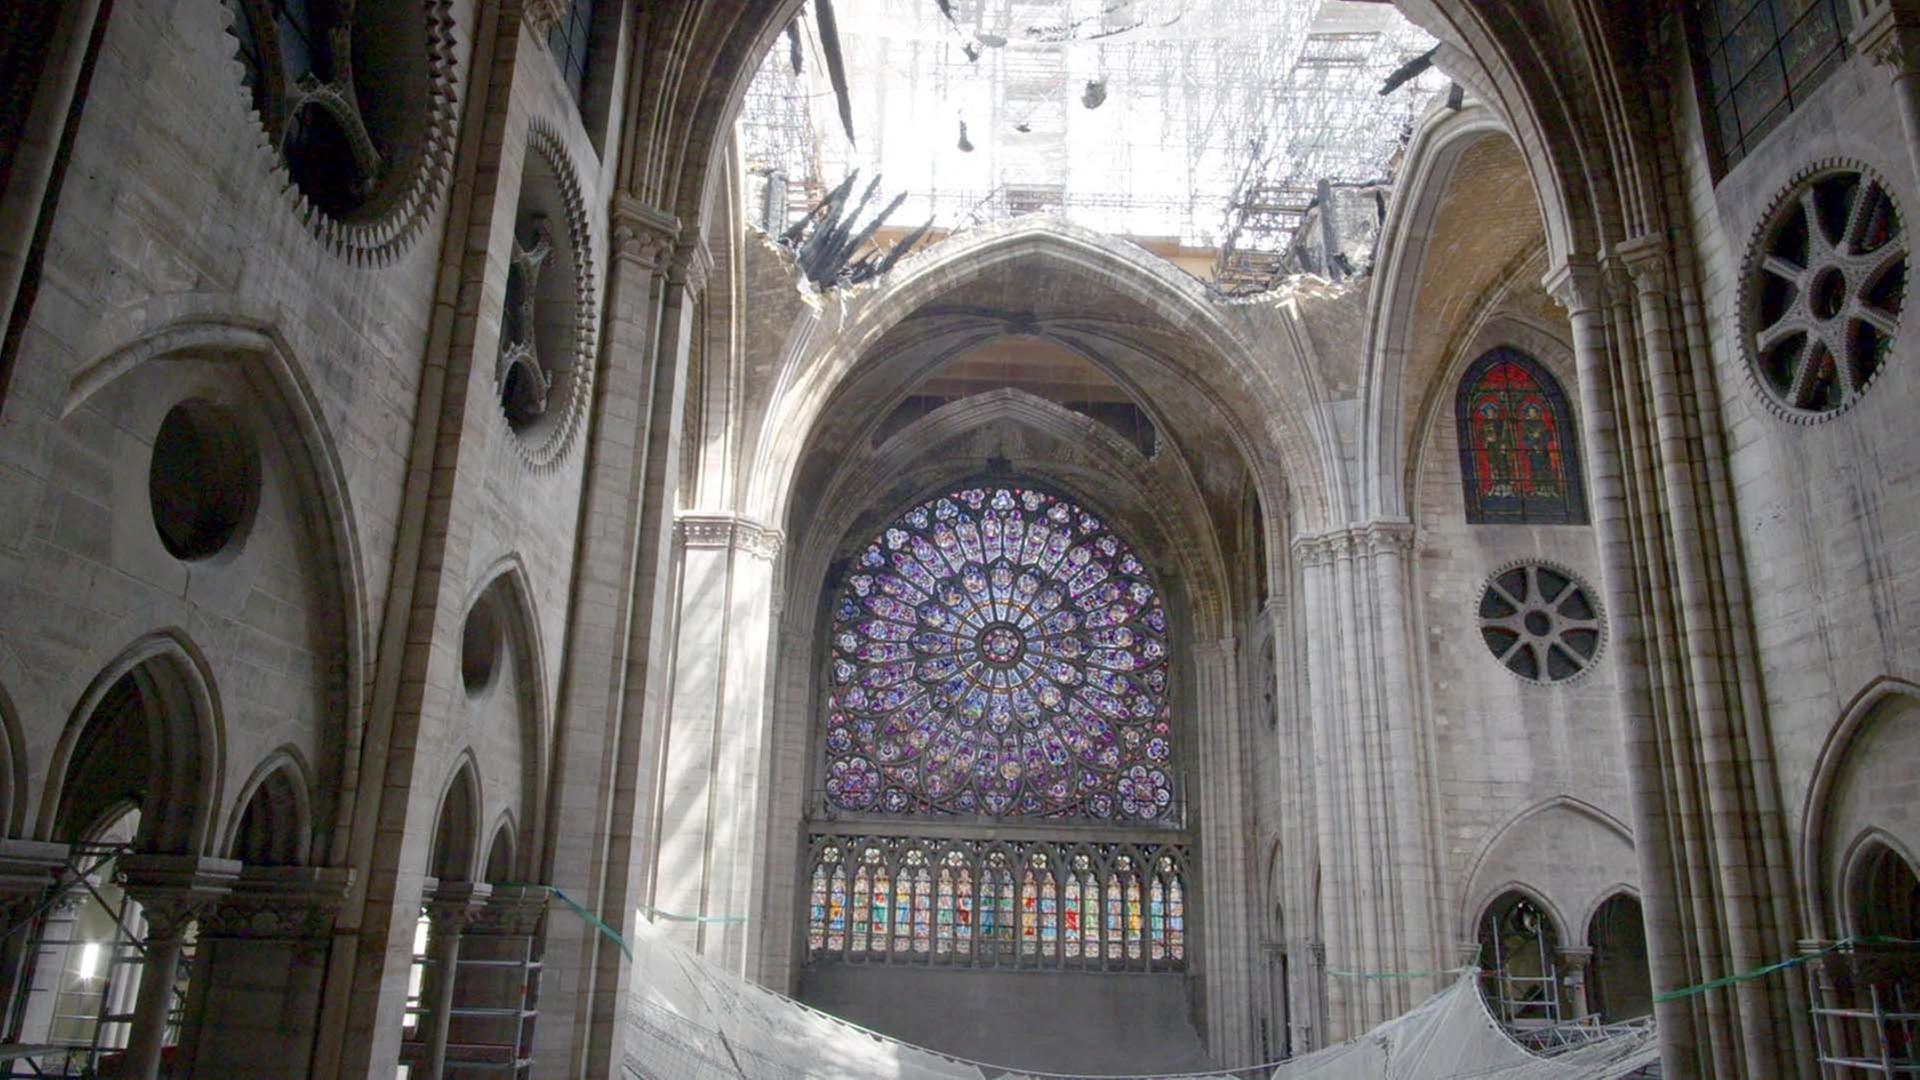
x,y
1203,124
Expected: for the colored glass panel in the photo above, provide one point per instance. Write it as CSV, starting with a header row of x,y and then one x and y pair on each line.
x,y
1517,456
1000,651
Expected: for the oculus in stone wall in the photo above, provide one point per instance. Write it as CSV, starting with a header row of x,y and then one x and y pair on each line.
x,y
203,480
357,98
545,361
1519,455
1541,622
1822,291
1000,651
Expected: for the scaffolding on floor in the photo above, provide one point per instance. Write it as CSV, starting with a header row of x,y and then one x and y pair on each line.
x,y
1866,1009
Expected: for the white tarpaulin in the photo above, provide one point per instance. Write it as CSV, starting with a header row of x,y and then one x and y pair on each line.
x,y
692,1021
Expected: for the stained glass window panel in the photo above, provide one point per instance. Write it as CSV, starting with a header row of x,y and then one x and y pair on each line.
x,y
1519,459
817,910
1000,651
1070,921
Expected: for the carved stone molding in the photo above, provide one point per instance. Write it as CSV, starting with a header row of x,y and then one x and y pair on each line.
x,y
455,905
642,235
1383,537
280,903
728,531
28,868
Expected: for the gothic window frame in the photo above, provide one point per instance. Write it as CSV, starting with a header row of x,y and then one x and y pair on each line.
x,y
1149,747
1746,90
1574,502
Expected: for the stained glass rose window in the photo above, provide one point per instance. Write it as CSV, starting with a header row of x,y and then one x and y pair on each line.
x,y
1000,651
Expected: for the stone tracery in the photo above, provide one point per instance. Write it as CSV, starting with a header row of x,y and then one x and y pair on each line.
x,y
1000,651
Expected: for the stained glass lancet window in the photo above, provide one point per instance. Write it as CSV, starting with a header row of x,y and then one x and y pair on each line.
x,y
1043,904
1519,453
1000,651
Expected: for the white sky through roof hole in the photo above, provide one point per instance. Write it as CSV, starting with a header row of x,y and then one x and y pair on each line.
x,y
1208,103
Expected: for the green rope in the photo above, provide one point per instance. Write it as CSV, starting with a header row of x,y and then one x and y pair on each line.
x,y
1777,966
674,916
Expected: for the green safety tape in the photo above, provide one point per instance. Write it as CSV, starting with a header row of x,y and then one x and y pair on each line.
x,y
592,919
1777,966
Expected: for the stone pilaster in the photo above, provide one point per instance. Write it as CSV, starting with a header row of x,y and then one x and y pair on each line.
x,y
451,907
1232,936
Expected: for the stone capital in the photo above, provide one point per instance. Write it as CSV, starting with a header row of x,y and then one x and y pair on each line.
x,y
538,15
1645,261
175,890
643,235
1576,284
692,267
1387,537
454,905
28,868
280,903
1574,959
729,531
512,910
1888,32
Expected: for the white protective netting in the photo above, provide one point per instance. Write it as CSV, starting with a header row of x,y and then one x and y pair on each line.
x,y
691,1021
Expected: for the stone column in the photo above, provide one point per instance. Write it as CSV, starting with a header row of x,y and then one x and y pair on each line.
x,y
714,766
450,907
1315,558
1573,962
498,941
1232,938
1889,32
619,578
173,891
259,973
1414,870
1576,285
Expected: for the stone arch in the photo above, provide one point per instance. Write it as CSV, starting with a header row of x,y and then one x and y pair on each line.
x,y
1605,834
1247,397
501,863
1881,723
1873,853
13,757
1476,912
155,699
505,585
455,850
272,823
1439,143
319,473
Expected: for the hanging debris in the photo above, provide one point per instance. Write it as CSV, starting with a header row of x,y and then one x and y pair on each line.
x,y
836,64
825,241
965,144
1408,71
794,54
1095,94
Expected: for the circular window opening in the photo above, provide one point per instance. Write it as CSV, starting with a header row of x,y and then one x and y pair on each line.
x,y
1825,283
540,374
480,643
1540,623
356,101
203,481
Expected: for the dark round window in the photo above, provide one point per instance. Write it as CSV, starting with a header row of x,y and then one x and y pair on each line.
x,y
1540,622
204,479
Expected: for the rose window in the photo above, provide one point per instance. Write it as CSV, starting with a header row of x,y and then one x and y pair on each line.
x,y
1825,284
1540,622
1000,651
